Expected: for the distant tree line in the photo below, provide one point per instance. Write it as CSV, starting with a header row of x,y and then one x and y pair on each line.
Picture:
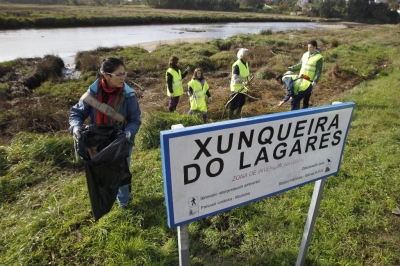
x,y
43,2
223,5
352,10
67,2
357,10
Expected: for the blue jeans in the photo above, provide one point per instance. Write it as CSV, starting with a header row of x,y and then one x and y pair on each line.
x,y
123,195
203,114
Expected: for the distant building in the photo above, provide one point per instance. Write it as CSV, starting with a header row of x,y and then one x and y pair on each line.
x,y
305,5
301,2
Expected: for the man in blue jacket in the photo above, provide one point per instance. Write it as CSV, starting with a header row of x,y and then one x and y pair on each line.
x,y
298,88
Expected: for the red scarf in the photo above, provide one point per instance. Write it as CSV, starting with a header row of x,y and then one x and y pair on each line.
x,y
106,95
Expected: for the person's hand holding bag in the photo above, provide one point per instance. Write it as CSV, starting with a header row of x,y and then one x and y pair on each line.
x,y
76,133
128,135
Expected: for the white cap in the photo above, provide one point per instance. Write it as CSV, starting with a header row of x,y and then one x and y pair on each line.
x,y
288,73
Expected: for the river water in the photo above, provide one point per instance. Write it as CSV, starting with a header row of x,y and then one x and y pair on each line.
x,y
66,42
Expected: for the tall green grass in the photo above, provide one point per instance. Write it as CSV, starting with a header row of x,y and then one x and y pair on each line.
x,y
44,203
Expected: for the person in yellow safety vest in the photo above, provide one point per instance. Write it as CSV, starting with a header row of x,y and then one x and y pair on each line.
x,y
239,81
298,88
311,63
174,77
197,89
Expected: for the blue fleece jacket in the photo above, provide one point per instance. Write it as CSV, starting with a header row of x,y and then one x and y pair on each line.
x,y
128,107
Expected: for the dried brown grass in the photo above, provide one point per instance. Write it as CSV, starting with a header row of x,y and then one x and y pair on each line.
x,y
266,61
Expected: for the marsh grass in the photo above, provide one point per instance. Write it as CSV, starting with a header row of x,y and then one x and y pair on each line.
x,y
44,202
25,15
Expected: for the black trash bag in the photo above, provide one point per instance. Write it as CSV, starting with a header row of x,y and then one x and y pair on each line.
x,y
104,150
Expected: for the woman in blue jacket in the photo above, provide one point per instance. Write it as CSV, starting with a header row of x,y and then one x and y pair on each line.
x,y
110,88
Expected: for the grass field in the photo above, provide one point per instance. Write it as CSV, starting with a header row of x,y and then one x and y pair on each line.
x,y
43,196
13,16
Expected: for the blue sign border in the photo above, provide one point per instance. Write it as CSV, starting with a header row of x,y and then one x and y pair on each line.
x,y
169,134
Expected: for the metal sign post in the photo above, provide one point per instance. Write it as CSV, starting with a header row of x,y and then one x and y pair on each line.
x,y
183,233
311,217
183,244
212,168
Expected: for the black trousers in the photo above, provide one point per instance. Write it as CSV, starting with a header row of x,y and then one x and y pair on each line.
x,y
238,101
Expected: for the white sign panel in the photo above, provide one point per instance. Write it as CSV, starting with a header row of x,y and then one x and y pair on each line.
x,y
215,167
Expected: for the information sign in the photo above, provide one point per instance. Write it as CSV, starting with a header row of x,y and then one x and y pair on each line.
x,y
215,167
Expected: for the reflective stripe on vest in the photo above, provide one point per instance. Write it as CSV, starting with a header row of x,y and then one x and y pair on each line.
x,y
176,82
299,84
244,74
309,65
198,102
